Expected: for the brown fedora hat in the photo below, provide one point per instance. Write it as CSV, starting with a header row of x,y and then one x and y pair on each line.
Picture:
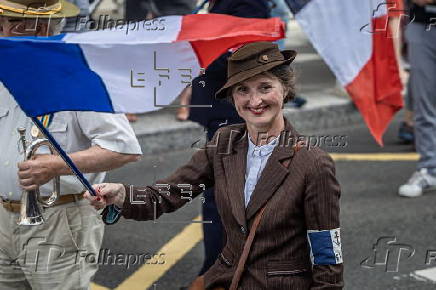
x,y
253,59
38,9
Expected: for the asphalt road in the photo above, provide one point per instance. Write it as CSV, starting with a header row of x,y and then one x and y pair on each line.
x,y
371,211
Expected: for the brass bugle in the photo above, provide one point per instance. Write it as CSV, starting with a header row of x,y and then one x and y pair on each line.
x,y
31,201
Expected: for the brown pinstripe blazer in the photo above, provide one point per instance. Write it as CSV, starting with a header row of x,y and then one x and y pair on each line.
x,y
301,193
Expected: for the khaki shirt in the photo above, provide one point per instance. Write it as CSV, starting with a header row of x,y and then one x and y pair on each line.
x,y
74,131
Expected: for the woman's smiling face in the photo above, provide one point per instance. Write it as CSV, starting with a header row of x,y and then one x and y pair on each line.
x,y
259,101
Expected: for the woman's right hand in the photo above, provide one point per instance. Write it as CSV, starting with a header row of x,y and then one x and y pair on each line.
x,y
107,194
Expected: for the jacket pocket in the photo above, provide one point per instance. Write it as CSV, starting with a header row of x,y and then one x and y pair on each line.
x,y
288,274
287,267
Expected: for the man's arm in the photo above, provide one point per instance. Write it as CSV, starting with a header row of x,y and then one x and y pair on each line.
x,y
43,168
112,143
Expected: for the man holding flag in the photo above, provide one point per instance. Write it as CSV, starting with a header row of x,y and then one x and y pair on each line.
x,y
45,256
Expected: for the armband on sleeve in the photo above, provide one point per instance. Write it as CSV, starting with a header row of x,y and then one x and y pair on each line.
x,y
325,247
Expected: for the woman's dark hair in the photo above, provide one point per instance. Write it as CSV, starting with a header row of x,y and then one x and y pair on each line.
x,y
284,73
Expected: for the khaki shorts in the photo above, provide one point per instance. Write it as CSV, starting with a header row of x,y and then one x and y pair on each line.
x,y
50,256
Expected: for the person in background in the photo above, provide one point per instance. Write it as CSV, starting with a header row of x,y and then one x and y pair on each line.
x,y
281,10
398,15
421,40
137,10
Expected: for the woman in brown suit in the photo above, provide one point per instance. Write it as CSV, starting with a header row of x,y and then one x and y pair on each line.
x,y
278,200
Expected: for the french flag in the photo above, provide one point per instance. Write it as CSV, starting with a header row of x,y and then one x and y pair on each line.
x,y
139,69
353,38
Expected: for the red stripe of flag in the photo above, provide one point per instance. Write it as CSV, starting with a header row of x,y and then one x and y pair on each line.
x,y
377,89
219,32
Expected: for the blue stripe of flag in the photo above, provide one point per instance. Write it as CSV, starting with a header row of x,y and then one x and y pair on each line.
x,y
296,5
50,76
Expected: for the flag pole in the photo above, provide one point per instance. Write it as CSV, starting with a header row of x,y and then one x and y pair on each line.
x,y
199,7
64,156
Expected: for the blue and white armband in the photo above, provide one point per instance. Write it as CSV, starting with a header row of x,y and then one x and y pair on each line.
x,y
325,247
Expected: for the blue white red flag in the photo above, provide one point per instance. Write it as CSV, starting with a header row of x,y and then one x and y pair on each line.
x,y
133,70
353,38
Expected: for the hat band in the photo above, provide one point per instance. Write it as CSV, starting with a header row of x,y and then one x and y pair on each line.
x,y
26,10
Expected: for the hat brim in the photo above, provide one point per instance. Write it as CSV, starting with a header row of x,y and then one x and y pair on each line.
x,y
68,10
289,56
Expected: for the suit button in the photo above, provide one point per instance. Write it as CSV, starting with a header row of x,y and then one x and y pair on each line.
x,y
243,230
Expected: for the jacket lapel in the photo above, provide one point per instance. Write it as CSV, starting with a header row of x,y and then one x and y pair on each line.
x,y
234,167
274,172
235,163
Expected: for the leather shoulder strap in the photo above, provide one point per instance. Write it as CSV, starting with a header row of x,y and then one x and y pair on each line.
x,y
247,246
